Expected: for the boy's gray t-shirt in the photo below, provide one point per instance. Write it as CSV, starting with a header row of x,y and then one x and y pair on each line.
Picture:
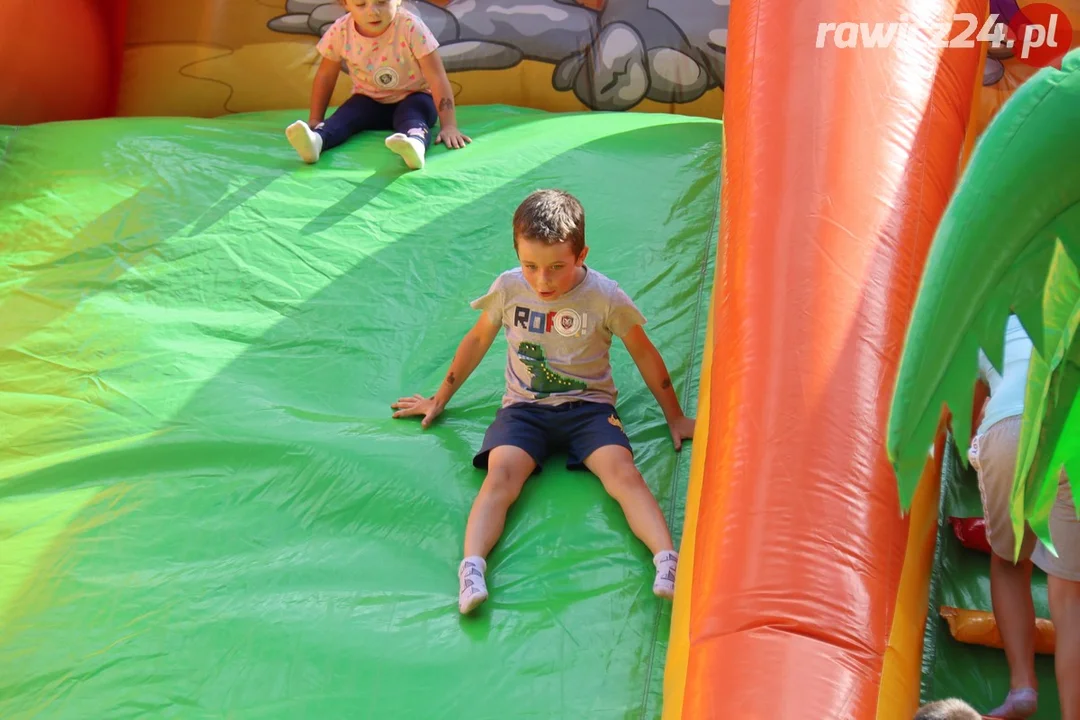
x,y
559,350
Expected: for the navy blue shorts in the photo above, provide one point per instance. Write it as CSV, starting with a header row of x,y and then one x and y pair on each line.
x,y
580,428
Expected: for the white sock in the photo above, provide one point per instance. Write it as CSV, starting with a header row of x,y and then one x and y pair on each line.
x,y
411,149
306,142
666,562
472,588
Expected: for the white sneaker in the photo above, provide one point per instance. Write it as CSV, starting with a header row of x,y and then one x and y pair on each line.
x,y
666,562
306,142
411,150
472,588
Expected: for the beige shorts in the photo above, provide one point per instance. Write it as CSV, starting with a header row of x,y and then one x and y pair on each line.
x,y
993,455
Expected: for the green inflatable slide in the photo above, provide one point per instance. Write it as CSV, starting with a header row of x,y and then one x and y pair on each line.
x,y
206,509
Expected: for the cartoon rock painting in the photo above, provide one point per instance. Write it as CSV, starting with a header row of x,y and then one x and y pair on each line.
x,y
611,54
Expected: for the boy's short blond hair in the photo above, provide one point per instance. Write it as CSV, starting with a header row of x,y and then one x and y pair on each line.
x,y
551,216
950,709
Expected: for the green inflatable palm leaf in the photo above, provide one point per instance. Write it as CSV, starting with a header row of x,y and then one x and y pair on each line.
x,y
1008,242
1047,442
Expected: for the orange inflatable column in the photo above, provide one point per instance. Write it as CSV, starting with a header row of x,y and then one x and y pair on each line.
x,y
114,14
839,161
59,59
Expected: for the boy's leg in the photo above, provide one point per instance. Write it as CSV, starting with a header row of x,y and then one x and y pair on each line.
x,y
513,447
413,119
615,467
597,441
355,115
508,469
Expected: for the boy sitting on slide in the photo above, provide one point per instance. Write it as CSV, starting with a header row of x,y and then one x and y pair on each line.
x,y
559,317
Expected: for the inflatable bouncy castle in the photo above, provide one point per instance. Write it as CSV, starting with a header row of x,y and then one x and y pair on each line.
x,y
206,509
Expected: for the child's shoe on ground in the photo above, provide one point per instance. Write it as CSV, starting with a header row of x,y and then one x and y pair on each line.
x,y
411,149
666,562
472,588
306,142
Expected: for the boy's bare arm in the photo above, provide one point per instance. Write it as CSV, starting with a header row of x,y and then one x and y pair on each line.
x,y
470,352
322,89
653,370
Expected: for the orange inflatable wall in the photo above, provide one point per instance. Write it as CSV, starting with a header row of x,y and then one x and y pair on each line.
x,y
806,592
62,59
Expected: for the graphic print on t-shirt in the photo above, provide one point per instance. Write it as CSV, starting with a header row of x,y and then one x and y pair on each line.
x,y
386,78
558,352
544,380
567,322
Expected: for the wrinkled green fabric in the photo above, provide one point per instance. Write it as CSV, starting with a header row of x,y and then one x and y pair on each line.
x,y
1008,241
206,509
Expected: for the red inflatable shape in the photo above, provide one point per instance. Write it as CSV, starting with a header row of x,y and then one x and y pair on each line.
x,y
971,532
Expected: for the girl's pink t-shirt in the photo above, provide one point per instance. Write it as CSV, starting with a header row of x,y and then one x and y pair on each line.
x,y
385,68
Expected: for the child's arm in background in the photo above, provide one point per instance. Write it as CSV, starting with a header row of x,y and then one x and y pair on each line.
x,y
655,374
431,65
470,352
322,89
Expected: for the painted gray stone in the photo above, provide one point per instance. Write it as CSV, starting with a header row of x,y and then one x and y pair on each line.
x,y
993,71
442,24
675,77
324,16
618,79
545,30
566,72
294,24
305,7
705,24
654,27
475,55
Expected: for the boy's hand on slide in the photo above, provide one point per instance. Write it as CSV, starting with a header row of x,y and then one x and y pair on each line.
x,y
418,405
452,138
682,428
